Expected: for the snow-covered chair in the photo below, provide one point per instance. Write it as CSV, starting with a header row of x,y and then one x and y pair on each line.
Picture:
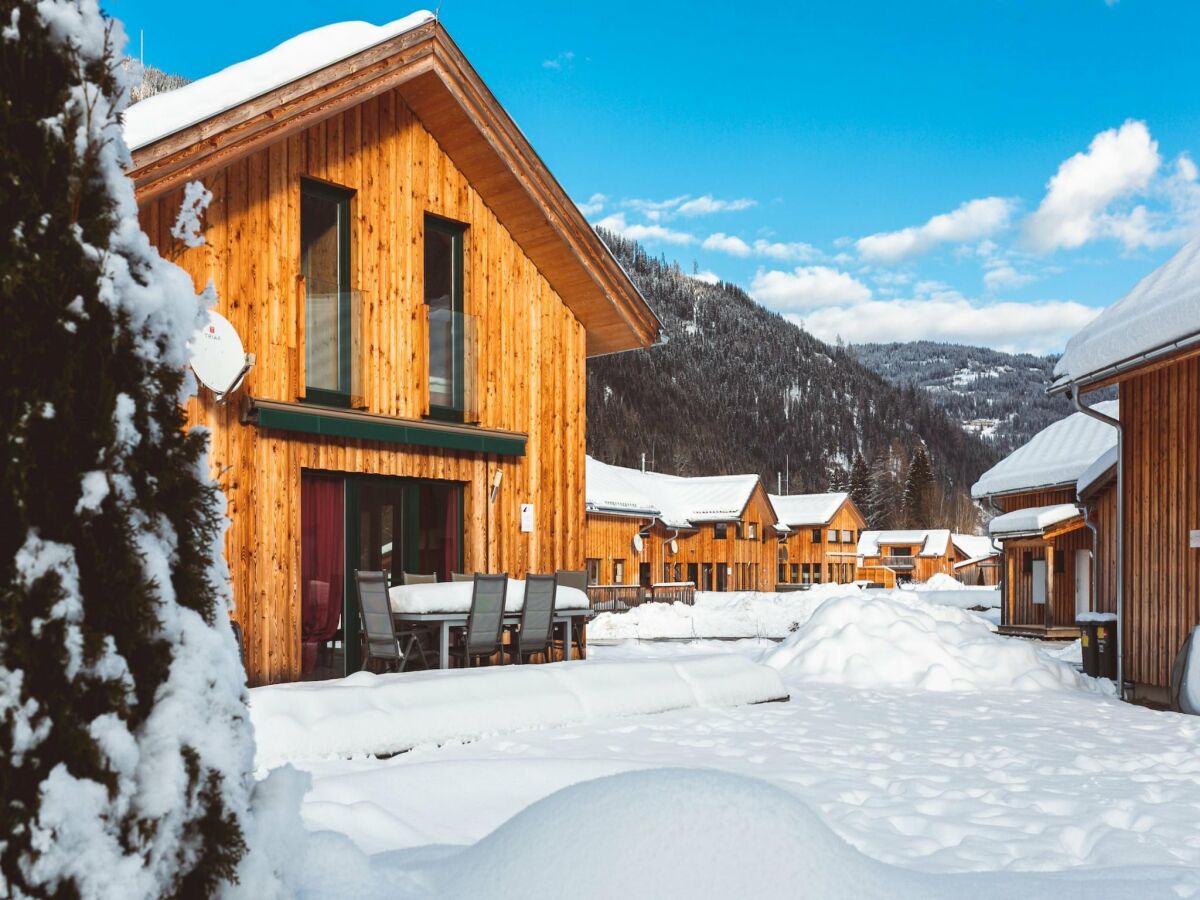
x,y
1185,676
485,622
461,576
537,617
380,638
414,578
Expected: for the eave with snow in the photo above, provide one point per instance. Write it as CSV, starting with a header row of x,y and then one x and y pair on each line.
x,y
1145,496
420,296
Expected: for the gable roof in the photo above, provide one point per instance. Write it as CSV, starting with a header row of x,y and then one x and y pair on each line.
x,y
1099,473
1056,456
932,541
975,546
795,510
179,135
678,502
1159,316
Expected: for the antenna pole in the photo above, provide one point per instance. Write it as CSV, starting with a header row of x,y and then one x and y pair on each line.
x,y
787,466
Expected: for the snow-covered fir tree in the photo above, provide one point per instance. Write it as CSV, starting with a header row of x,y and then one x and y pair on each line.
x,y
859,484
883,500
122,701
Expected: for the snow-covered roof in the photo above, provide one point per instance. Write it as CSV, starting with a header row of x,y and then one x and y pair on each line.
x,y
975,546
1163,308
1058,454
678,502
163,114
1093,473
1033,520
932,542
807,509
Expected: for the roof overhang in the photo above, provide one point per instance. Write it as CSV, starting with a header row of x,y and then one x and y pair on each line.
x,y
1166,355
447,94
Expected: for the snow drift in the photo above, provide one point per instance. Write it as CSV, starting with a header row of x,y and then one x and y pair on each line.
x,y
686,833
895,639
378,714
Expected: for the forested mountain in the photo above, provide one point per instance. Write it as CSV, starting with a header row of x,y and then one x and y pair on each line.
x,y
999,396
734,387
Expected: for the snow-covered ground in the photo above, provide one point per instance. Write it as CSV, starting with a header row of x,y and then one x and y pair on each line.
x,y
916,743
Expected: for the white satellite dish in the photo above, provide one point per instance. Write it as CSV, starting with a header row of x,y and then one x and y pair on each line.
x,y
637,543
218,357
673,545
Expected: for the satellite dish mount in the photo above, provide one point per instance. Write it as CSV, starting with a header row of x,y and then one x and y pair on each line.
x,y
219,360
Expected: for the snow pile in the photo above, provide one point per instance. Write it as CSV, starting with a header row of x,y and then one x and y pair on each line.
x,y
455,596
378,714
1162,308
1058,454
163,114
944,590
1033,520
718,614
897,640
686,833
940,581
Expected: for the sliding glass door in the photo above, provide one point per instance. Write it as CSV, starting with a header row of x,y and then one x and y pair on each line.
x,y
369,523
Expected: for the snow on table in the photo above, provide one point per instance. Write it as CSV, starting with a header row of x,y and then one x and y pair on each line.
x,y
455,597
381,714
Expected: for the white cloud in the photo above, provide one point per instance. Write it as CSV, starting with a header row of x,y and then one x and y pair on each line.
x,y
726,243
706,205
564,60
807,286
1118,163
1003,275
973,220
594,204
1041,327
707,276
616,222
787,252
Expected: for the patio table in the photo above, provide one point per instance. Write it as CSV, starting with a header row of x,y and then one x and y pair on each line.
x,y
418,604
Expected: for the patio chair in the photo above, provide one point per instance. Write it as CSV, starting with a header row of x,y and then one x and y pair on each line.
x,y
485,622
380,638
461,576
576,578
537,617
414,578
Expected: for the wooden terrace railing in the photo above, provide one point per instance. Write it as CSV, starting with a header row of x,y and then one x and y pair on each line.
x,y
621,597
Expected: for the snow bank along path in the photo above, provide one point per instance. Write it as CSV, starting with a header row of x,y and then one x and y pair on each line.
x,y
894,641
382,714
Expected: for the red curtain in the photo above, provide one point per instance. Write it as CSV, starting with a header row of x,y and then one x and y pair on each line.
x,y
453,533
322,573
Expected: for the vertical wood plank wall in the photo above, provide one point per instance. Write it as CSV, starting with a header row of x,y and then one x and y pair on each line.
x,y
1017,607
1018,594
531,357
1160,411
1104,515
801,548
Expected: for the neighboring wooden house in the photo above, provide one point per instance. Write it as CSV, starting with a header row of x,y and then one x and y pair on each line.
x,y
1048,548
1148,343
818,538
976,559
647,528
421,296
896,557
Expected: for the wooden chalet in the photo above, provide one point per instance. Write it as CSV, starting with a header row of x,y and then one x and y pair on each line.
x,y
1148,344
655,532
421,296
889,558
818,538
976,559
1049,543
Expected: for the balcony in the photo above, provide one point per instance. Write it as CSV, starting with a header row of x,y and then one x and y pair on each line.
x,y
899,562
333,345
453,354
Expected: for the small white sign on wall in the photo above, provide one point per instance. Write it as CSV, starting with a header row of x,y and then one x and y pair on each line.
x,y
527,518
1194,539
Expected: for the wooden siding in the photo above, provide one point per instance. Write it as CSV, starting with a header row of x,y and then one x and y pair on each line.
x,y
1030,499
750,564
801,549
1159,412
1018,608
1103,514
531,356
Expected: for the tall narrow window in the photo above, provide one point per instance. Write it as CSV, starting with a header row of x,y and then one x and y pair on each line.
x,y
447,326
325,266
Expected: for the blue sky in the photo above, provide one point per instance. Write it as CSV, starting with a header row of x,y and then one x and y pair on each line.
x,y
986,172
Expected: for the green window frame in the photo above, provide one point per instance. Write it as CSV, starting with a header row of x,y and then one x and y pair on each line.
x,y
456,409
341,395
